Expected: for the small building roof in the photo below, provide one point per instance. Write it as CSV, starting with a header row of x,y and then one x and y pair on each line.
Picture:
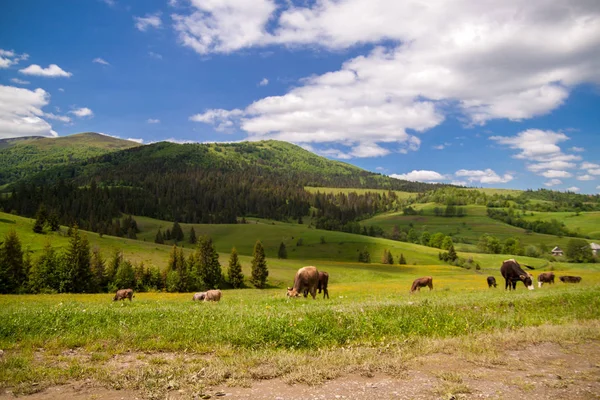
x,y
556,249
595,246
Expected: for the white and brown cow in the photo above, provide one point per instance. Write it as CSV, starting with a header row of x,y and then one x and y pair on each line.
x,y
545,277
305,281
512,273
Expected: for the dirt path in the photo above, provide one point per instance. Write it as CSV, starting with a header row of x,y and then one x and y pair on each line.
x,y
544,371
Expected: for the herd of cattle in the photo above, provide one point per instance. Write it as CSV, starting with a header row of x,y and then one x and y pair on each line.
x,y
310,280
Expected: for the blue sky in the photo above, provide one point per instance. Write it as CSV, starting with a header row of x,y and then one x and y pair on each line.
x,y
488,95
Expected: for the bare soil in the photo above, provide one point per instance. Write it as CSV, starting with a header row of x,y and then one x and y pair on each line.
x,y
543,371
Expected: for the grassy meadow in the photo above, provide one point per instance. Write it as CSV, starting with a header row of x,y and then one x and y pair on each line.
x,y
370,323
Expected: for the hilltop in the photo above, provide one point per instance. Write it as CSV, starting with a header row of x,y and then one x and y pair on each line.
x,y
21,158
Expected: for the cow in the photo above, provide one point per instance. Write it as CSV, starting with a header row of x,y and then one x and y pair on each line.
x,y
491,281
213,295
199,296
545,277
123,294
422,282
323,280
511,272
570,279
305,281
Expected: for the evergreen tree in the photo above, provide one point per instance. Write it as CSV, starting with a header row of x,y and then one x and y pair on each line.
x,y
208,267
53,221
125,276
282,253
452,256
384,258
159,237
402,260
112,267
259,266
40,219
193,239
76,272
390,258
12,275
234,271
364,256
172,281
98,267
185,282
177,232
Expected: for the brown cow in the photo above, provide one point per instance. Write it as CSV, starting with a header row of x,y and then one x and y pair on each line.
x,y
511,272
123,294
570,279
199,296
213,295
545,277
305,281
323,280
422,282
491,281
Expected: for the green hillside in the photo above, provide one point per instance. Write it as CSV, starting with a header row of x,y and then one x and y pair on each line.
x,y
584,223
20,158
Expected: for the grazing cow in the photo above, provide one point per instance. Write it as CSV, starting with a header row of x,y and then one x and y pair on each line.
x,y
123,294
305,281
199,296
570,279
323,280
422,282
545,277
213,295
511,272
491,281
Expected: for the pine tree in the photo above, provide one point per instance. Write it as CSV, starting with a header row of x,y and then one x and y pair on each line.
x,y
282,253
40,219
384,258
125,276
76,270
234,271
159,237
12,276
259,266
112,267
185,283
452,256
390,258
364,256
53,221
177,232
193,239
208,267
98,267
402,260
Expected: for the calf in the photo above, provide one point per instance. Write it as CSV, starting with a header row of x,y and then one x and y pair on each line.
x,y
512,273
323,280
123,294
570,279
491,281
422,282
545,277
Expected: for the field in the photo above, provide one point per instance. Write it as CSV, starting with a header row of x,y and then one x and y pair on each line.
x,y
455,338
584,223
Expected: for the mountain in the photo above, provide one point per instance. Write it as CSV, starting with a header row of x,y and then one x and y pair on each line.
x,y
21,158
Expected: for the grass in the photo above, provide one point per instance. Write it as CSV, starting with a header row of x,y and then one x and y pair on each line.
x,y
583,223
401,195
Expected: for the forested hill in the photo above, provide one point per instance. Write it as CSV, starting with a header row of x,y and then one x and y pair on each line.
x,y
284,160
21,158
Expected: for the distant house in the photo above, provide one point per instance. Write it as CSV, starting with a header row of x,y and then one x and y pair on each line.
x,y
595,249
557,251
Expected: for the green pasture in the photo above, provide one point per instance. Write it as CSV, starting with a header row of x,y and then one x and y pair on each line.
x,y
467,229
583,223
401,195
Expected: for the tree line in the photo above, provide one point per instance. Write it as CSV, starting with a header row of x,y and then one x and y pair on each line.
x,y
80,269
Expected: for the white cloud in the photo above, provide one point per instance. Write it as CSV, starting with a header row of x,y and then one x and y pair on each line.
x,y
574,189
110,3
585,177
552,173
149,21
223,120
577,149
553,182
155,55
485,60
589,165
598,187
534,144
459,183
53,71
62,118
82,112
594,171
557,164
99,60
9,58
484,176
173,3
140,141
264,82
21,112
20,81
61,90
420,176
153,121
